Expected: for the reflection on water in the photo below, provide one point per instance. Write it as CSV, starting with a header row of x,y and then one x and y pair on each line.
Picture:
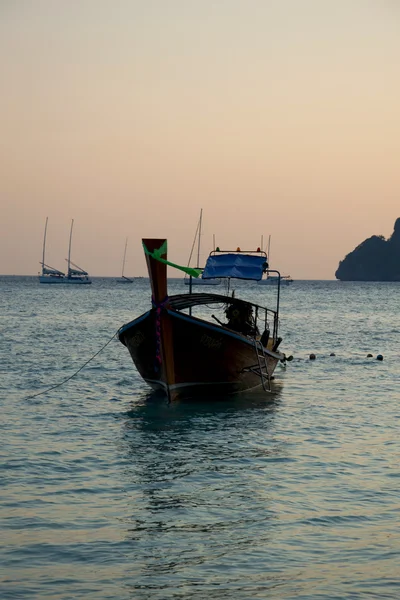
x,y
153,405
186,458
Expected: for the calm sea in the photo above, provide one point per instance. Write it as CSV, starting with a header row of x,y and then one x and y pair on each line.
x,y
107,492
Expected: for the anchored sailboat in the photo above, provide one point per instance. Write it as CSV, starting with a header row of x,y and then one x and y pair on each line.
x,y
49,274
75,274
124,279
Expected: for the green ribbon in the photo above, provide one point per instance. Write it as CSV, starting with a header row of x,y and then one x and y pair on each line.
x,y
156,254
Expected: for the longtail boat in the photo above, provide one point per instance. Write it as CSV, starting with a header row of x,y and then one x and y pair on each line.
x,y
189,356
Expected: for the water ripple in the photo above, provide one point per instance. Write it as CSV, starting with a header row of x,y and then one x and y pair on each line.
x,y
106,491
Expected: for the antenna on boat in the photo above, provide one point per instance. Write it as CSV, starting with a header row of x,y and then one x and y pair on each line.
x,y
269,245
214,242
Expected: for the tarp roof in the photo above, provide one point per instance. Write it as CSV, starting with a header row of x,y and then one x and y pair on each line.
x,y
236,265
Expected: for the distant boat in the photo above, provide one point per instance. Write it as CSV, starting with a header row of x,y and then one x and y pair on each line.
x,y
274,279
74,274
49,274
124,279
199,280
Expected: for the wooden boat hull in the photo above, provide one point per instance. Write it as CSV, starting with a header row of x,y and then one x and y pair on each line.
x,y
200,358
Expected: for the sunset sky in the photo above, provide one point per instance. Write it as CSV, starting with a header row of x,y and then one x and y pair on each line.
x,y
277,117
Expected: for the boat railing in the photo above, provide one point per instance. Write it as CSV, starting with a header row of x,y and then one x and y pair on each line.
x,y
267,321
263,318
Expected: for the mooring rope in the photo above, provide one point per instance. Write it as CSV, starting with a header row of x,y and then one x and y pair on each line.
x,y
76,372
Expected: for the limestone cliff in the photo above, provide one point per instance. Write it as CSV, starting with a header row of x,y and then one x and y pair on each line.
x,y
375,259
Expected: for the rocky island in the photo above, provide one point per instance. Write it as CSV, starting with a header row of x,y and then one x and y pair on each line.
x,y
375,259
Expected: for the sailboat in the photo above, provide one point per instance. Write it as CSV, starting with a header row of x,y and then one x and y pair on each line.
x,y
273,279
49,274
75,274
200,281
124,279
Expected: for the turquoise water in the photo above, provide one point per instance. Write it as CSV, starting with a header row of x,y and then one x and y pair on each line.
x,y
108,492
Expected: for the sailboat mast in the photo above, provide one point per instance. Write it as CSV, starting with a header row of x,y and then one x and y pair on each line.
x,y
44,243
69,248
199,238
123,262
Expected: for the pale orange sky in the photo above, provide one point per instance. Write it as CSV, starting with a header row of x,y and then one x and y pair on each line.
x,y
277,117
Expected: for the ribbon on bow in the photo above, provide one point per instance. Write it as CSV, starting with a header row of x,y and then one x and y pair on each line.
x,y
158,252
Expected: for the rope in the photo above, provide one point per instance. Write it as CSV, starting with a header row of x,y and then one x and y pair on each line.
x,y
76,372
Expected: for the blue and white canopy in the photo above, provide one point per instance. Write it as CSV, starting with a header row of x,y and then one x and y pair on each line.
x,y
237,265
